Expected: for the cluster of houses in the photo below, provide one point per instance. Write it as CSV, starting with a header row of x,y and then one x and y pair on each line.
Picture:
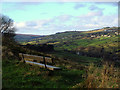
x,y
98,36
116,33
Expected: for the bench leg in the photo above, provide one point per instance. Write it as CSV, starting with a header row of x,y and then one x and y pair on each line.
x,y
52,61
23,58
44,61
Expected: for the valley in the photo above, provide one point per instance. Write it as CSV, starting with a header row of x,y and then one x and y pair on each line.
x,y
95,43
83,56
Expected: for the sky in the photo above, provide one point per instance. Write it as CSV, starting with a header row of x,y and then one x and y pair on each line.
x,y
45,18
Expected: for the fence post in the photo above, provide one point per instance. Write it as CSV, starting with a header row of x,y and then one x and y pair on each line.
x,y
44,61
52,61
23,58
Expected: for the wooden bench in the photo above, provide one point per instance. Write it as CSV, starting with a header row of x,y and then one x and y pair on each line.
x,y
42,61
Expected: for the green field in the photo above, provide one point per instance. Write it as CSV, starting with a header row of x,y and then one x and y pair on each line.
x,y
103,41
72,40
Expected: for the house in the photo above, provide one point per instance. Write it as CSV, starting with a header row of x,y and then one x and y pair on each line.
x,y
116,33
92,35
105,35
77,53
98,36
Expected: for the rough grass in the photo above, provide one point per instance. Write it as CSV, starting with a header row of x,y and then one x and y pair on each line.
x,y
106,76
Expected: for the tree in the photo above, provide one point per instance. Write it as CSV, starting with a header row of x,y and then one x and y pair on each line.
x,y
6,26
7,31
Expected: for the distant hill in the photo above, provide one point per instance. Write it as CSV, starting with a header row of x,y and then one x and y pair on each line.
x,y
72,40
26,37
90,43
68,35
74,35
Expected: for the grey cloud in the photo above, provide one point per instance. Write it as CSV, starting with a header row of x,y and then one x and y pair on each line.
x,y
45,24
115,4
21,5
64,17
79,5
94,7
31,24
98,13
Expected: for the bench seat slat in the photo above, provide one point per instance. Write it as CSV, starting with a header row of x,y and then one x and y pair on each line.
x,y
49,60
38,58
34,57
31,57
43,65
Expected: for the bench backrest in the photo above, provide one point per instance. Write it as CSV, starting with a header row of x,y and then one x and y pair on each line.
x,y
34,58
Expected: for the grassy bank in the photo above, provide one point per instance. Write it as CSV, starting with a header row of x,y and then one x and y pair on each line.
x,y
20,75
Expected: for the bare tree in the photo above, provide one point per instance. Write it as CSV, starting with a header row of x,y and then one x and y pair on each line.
x,y
6,26
7,30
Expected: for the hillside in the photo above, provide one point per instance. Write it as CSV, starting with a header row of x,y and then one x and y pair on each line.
x,y
26,37
73,39
103,41
72,35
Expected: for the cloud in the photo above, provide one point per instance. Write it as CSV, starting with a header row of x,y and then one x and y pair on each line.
x,y
94,18
20,24
94,8
95,13
89,21
91,25
79,5
91,14
19,6
115,4
64,17
31,24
